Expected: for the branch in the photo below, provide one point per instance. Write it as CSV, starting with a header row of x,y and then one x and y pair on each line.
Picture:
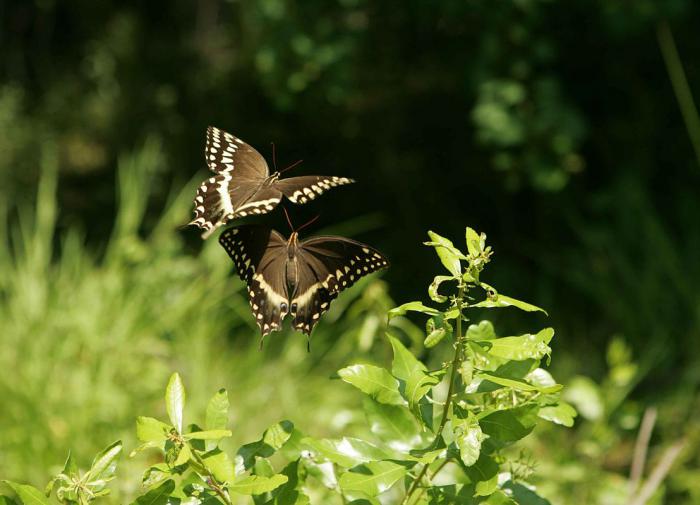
x,y
659,474
640,449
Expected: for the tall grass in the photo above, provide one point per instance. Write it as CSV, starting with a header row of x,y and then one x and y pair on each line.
x,y
89,338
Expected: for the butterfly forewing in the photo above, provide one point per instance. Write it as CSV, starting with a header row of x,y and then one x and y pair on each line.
x,y
227,153
305,188
336,263
260,255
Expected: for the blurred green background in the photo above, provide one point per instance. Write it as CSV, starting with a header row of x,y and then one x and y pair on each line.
x,y
553,126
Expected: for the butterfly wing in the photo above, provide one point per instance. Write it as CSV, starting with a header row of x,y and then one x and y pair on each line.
x,y
236,189
328,265
260,256
227,153
305,188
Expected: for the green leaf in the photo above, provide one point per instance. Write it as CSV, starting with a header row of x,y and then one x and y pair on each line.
x,y
484,474
435,286
149,429
395,425
468,437
217,411
175,400
411,307
505,426
482,331
372,478
562,413
434,337
220,465
519,385
522,347
29,495
6,500
346,452
208,435
497,300
159,495
524,494
70,468
586,397
272,440
499,498
449,255
105,463
413,373
155,474
374,381
183,456
255,484
474,245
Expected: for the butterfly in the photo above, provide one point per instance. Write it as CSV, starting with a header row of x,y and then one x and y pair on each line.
x,y
297,277
242,184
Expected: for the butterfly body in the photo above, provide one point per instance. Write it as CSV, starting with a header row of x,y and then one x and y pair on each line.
x,y
296,277
242,184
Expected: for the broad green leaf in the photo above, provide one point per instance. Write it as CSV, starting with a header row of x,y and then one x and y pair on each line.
x,y
272,440
482,331
540,377
175,400
255,484
586,397
482,474
155,474
70,468
435,286
372,478
208,435
499,498
519,385
497,300
105,463
506,426
374,381
411,307
449,255
474,245
562,413
346,452
522,347
183,456
486,487
413,373
291,492
220,465
468,437
159,495
395,425
149,429
29,495
6,500
483,360
524,494
217,411
434,337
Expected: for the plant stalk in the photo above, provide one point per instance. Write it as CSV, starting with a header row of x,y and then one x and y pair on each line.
x,y
212,480
456,362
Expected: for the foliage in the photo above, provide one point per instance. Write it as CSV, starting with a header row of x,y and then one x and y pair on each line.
x,y
496,393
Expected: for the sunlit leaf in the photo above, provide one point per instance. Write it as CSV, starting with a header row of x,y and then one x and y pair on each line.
x,y
435,286
372,478
562,413
105,463
175,400
434,337
217,411
520,385
416,380
149,429
255,484
473,242
524,494
586,397
522,347
374,381
411,307
220,465
159,495
482,331
346,452
468,437
496,300
499,498
155,474
505,426
207,435
272,440
449,255
394,425
183,456
29,495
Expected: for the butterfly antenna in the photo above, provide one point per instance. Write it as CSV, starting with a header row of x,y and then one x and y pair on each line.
x,y
291,166
308,343
260,346
274,156
307,223
289,221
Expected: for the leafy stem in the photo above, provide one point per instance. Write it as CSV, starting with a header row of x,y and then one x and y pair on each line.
x,y
456,362
211,480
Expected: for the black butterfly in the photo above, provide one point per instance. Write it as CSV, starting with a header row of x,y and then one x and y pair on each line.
x,y
295,277
243,185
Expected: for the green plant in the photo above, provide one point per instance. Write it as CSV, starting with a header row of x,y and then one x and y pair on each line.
x,y
429,447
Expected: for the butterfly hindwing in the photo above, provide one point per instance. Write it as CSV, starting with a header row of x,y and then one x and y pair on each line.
x,y
335,263
260,255
305,188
